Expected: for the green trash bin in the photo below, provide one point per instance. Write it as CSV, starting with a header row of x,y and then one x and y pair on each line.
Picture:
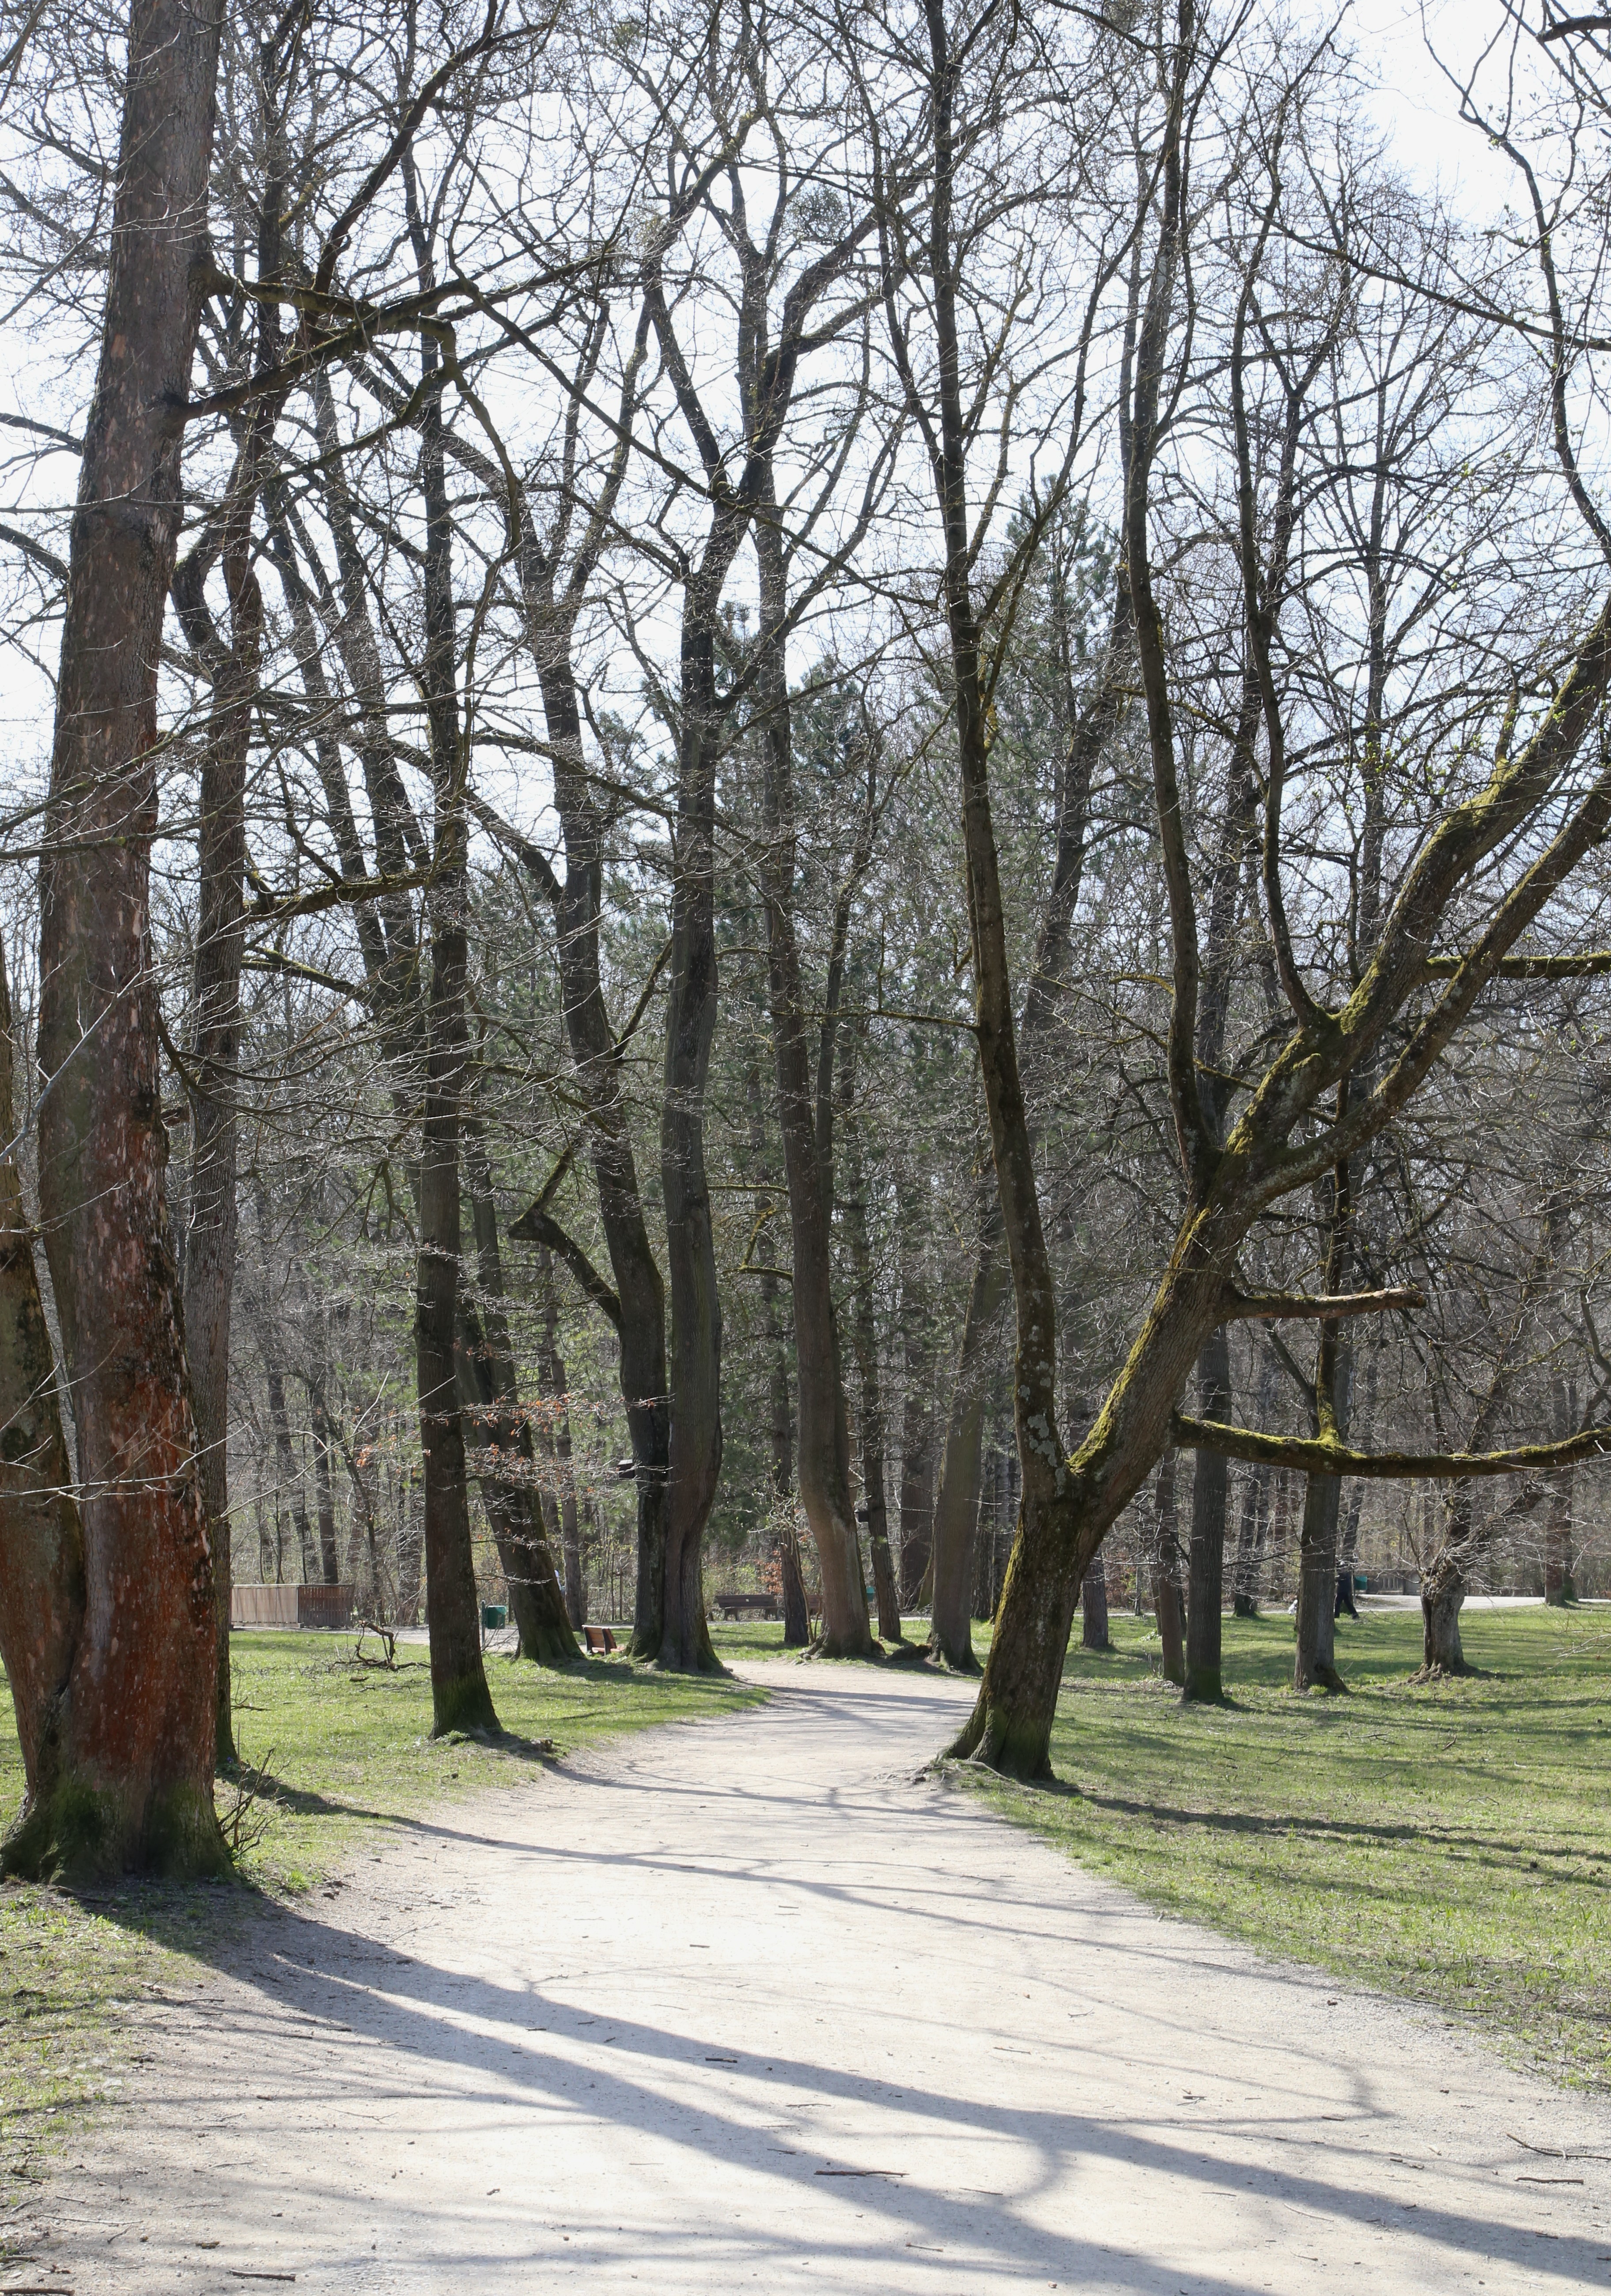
x,y
495,1616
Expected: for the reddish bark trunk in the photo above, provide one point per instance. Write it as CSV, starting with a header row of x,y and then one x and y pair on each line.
x,y
136,1722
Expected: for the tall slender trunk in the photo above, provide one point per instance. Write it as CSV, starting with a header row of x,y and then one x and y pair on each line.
x,y
318,1421
553,1384
796,1614
498,1426
916,1403
864,1342
1207,1557
131,1779
1460,1544
957,1503
578,903
1560,1586
42,1584
1167,1606
460,1698
694,1455
823,1444
1094,1634
1315,1661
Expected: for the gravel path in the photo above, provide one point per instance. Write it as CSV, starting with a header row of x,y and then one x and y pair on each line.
x,y
738,2006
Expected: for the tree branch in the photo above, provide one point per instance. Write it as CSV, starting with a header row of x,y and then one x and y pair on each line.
x,y
1315,1457
1280,1307
534,1227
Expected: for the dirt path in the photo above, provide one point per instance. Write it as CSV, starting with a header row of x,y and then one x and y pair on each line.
x,y
738,2007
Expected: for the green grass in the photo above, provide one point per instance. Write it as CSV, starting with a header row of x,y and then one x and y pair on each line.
x,y
1449,1844
348,1753
753,1638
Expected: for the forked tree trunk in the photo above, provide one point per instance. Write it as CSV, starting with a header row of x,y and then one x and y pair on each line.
x,y
135,1726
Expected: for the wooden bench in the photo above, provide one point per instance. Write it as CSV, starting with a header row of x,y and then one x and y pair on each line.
x,y
752,1606
601,1642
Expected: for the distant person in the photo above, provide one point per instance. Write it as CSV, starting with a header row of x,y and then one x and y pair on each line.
x,y
1345,1601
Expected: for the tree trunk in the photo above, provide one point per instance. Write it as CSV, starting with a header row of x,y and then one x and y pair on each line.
x,y
823,1444
864,1341
578,903
1315,1664
1442,1592
498,1424
42,1582
318,1420
957,1506
916,1408
1094,1634
694,1457
136,1737
1167,1606
1206,1597
211,1236
459,1696
796,1615
1559,1586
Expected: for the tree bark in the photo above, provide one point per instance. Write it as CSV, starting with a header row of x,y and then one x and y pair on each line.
x,y
132,1774
211,1236
1167,1606
823,1447
42,1570
917,1404
1094,1634
1442,1592
578,905
500,1426
694,1455
318,1421
961,1462
1207,1560
1315,1664
459,1696
864,1341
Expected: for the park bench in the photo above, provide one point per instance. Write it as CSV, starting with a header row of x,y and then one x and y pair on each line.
x,y
600,1641
752,1606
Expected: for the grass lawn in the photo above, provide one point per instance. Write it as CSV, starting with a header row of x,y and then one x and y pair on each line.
x,y
1450,1844
347,1750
